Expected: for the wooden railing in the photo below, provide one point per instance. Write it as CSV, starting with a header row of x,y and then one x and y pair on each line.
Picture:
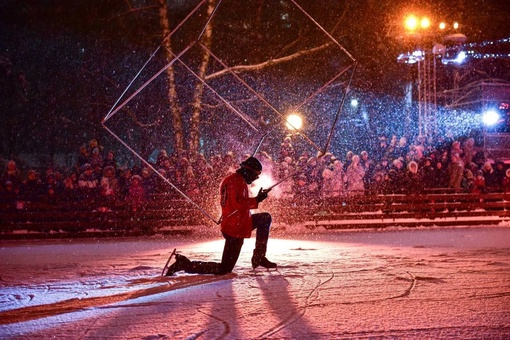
x,y
172,214
379,211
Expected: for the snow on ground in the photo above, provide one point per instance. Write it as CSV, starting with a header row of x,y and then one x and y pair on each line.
x,y
410,283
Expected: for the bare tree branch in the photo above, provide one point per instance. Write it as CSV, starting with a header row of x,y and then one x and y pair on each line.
x,y
221,104
139,123
133,11
272,62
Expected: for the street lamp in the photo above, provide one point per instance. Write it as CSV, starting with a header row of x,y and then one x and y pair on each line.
x,y
294,122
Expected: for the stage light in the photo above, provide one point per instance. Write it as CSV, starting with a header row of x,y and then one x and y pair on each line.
x,y
411,23
490,117
461,57
425,22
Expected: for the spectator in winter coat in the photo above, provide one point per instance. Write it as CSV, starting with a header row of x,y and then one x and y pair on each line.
x,y
382,167
286,149
88,183
71,186
93,144
427,173
327,183
348,160
491,181
136,195
455,148
110,160
468,150
455,172
31,187
478,183
83,157
109,184
369,167
395,178
338,178
468,181
313,174
124,176
441,177
354,177
402,148
148,181
96,160
12,174
413,184
499,173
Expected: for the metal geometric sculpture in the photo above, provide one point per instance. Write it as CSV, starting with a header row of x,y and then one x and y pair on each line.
x,y
256,80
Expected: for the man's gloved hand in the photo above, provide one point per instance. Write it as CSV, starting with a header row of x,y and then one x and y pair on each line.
x,y
262,195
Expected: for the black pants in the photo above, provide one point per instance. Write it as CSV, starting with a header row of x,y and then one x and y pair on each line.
x,y
232,248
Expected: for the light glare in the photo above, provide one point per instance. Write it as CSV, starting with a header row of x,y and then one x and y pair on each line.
x,y
490,118
294,122
411,23
425,22
461,57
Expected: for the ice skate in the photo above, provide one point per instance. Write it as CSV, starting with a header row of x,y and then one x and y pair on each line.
x,y
262,261
181,263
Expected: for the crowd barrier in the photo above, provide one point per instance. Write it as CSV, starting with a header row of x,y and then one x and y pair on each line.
x,y
172,214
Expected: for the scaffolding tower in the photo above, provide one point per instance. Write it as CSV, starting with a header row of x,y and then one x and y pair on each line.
x,y
427,95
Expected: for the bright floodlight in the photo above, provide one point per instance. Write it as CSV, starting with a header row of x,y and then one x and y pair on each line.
x,y
425,22
455,25
461,57
294,122
490,117
354,102
411,23
442,26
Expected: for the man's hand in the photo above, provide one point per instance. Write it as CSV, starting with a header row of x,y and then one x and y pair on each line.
x,y
262,195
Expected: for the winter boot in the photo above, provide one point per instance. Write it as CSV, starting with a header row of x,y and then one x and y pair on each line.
x,y
181,263
260,259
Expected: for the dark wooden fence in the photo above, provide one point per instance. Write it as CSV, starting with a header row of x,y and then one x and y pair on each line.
x,y
174,215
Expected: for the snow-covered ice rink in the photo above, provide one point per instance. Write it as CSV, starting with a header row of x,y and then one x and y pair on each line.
x,y
435,283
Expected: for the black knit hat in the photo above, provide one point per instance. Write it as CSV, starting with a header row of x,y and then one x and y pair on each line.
x,y
252,163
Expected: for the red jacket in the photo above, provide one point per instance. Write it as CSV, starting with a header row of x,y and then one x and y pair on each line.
x,y
235,207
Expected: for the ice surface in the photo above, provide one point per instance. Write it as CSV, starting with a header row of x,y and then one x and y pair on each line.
x,y
409,283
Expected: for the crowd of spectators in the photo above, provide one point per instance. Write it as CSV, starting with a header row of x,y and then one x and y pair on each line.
x,y
393,167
